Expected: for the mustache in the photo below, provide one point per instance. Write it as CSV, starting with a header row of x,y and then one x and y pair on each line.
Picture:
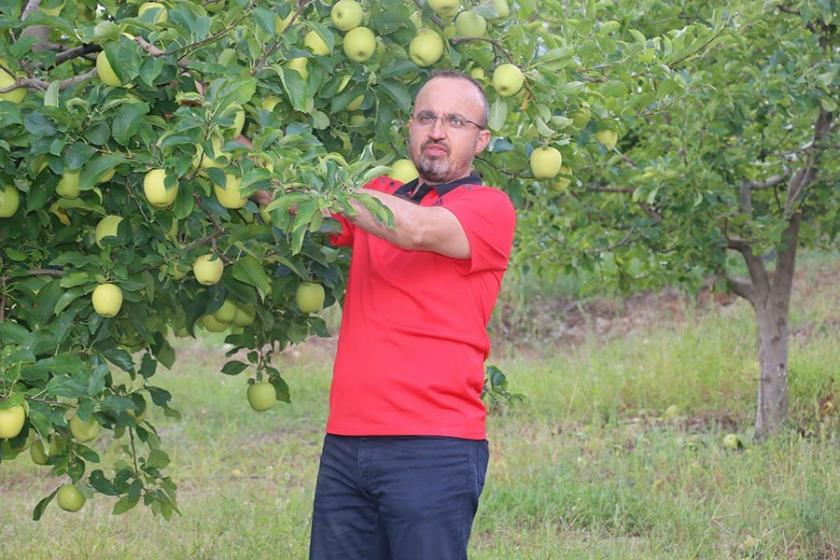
x,y
436,144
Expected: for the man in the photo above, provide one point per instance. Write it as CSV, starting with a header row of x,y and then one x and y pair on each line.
x,y
405,453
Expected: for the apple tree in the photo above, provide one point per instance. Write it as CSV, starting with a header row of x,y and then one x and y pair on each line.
x,y
722,151
167,168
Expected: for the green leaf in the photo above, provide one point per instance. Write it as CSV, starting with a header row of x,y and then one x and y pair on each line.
x,y
42,505
96,168
127,121
38,125
51,95
12,333
398,92
119,358
157,459
498,114
249,270
234,368
124,504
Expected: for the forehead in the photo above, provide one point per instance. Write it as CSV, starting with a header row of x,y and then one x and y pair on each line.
x,y
449,95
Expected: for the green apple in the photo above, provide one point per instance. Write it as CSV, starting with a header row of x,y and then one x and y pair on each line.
x,y
470,24
68,185
230,196
299,65
37,453
11,421
444,8
403,170
502,9
314,43
357,119
359,43
310,297
208,269
416,19
154,187
508,79
346,14
245,316
226,313
212,324
107,300
478,74
426,48
561,184
107,176
158,10
16,95
607,137
672,412
546,162
84,431
70,499
261,396
107,227
9,201
105,71
732,441
581,117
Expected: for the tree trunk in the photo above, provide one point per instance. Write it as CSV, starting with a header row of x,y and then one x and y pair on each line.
x,y
773,359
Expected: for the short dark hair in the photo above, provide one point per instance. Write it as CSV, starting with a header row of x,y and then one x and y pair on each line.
x,y
461,76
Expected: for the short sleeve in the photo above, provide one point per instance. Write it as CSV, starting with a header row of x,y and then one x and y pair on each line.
x,y
489,220
344,238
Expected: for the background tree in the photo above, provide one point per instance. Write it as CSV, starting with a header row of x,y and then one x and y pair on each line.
x,y
727,145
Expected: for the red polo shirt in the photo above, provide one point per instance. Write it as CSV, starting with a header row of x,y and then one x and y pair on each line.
x,y
413,336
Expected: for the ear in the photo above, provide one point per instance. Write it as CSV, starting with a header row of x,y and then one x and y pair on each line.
x,y
482,141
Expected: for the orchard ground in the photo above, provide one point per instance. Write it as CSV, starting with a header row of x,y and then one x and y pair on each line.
x,y
586,467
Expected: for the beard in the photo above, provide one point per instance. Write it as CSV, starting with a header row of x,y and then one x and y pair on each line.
x,y
433,170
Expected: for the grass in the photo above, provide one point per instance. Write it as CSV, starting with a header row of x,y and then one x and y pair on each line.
x,y
587,467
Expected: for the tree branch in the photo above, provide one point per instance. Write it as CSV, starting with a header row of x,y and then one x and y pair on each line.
x,y
804,178
786,261
758,272
741,287
35,272
31,6
34,83
76,52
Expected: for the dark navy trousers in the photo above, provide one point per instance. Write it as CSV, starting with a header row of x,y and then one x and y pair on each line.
x,y
396,497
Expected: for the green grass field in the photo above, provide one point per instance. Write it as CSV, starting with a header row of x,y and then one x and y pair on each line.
x,y
585,468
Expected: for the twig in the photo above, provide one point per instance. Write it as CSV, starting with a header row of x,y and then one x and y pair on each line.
x,y
496,45
34,83
261,61
34,272
435,17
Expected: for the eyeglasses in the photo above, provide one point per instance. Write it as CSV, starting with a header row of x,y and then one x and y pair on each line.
x,y
455,122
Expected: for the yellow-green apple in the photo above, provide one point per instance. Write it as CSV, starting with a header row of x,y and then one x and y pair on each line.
x,y
16,95
299,65
154,187
403,170
84,431
11,421
230,196
9,201
359,43
426,48
261,396
314,43
546,162
105,71
607,137
107,300
346,14
444,8
208,269
68,185
470,24
508,79
310,297
70,499
161,14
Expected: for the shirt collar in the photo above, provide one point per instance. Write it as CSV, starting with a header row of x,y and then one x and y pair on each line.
x,y
471,179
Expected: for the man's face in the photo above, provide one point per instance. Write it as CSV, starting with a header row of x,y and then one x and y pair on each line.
x,y
443,152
